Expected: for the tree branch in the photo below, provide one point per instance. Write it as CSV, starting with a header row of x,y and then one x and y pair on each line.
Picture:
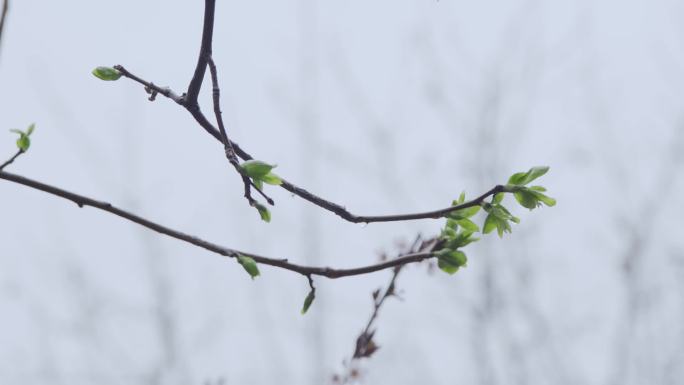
x,y
189,101
10,160
227,144
216,95
308,271
151,87
204,54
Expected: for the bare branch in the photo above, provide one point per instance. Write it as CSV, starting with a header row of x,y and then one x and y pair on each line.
x,y
10,160
328,272
151,87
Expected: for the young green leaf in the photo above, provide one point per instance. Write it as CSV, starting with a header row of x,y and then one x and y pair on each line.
x,y
24,143
469,225
30,129
502,226
258,183
308,301
272,179
536,172
249,265
526,198
450,261
499,212
451,224
532,197
502,213
461,198
256,168
497,198
450,231
490,224
547,200
106,73
462,239
517,178
464,213
263,212
496,221
511,217
523,178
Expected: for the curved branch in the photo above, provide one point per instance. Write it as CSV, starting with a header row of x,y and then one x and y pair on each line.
x,y
204,54
328,272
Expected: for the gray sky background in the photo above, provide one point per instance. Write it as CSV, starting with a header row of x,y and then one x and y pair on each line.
x,y
384,107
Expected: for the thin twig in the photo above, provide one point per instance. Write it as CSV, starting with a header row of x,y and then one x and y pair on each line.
x,y
328,272
227,144
3,14
216,95
365,346
11,160
151,86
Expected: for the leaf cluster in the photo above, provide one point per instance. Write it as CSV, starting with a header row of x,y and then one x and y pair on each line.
x,y
457,233
459,228
529,197
24,141
260,172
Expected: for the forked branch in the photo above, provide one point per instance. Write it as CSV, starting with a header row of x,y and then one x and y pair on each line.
x,y
189,101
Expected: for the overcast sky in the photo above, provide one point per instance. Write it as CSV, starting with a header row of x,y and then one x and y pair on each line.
x,y
384,107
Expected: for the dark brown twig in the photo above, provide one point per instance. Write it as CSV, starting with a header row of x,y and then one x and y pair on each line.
x,y
216,95
204,54
11,160
308,271
151,87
